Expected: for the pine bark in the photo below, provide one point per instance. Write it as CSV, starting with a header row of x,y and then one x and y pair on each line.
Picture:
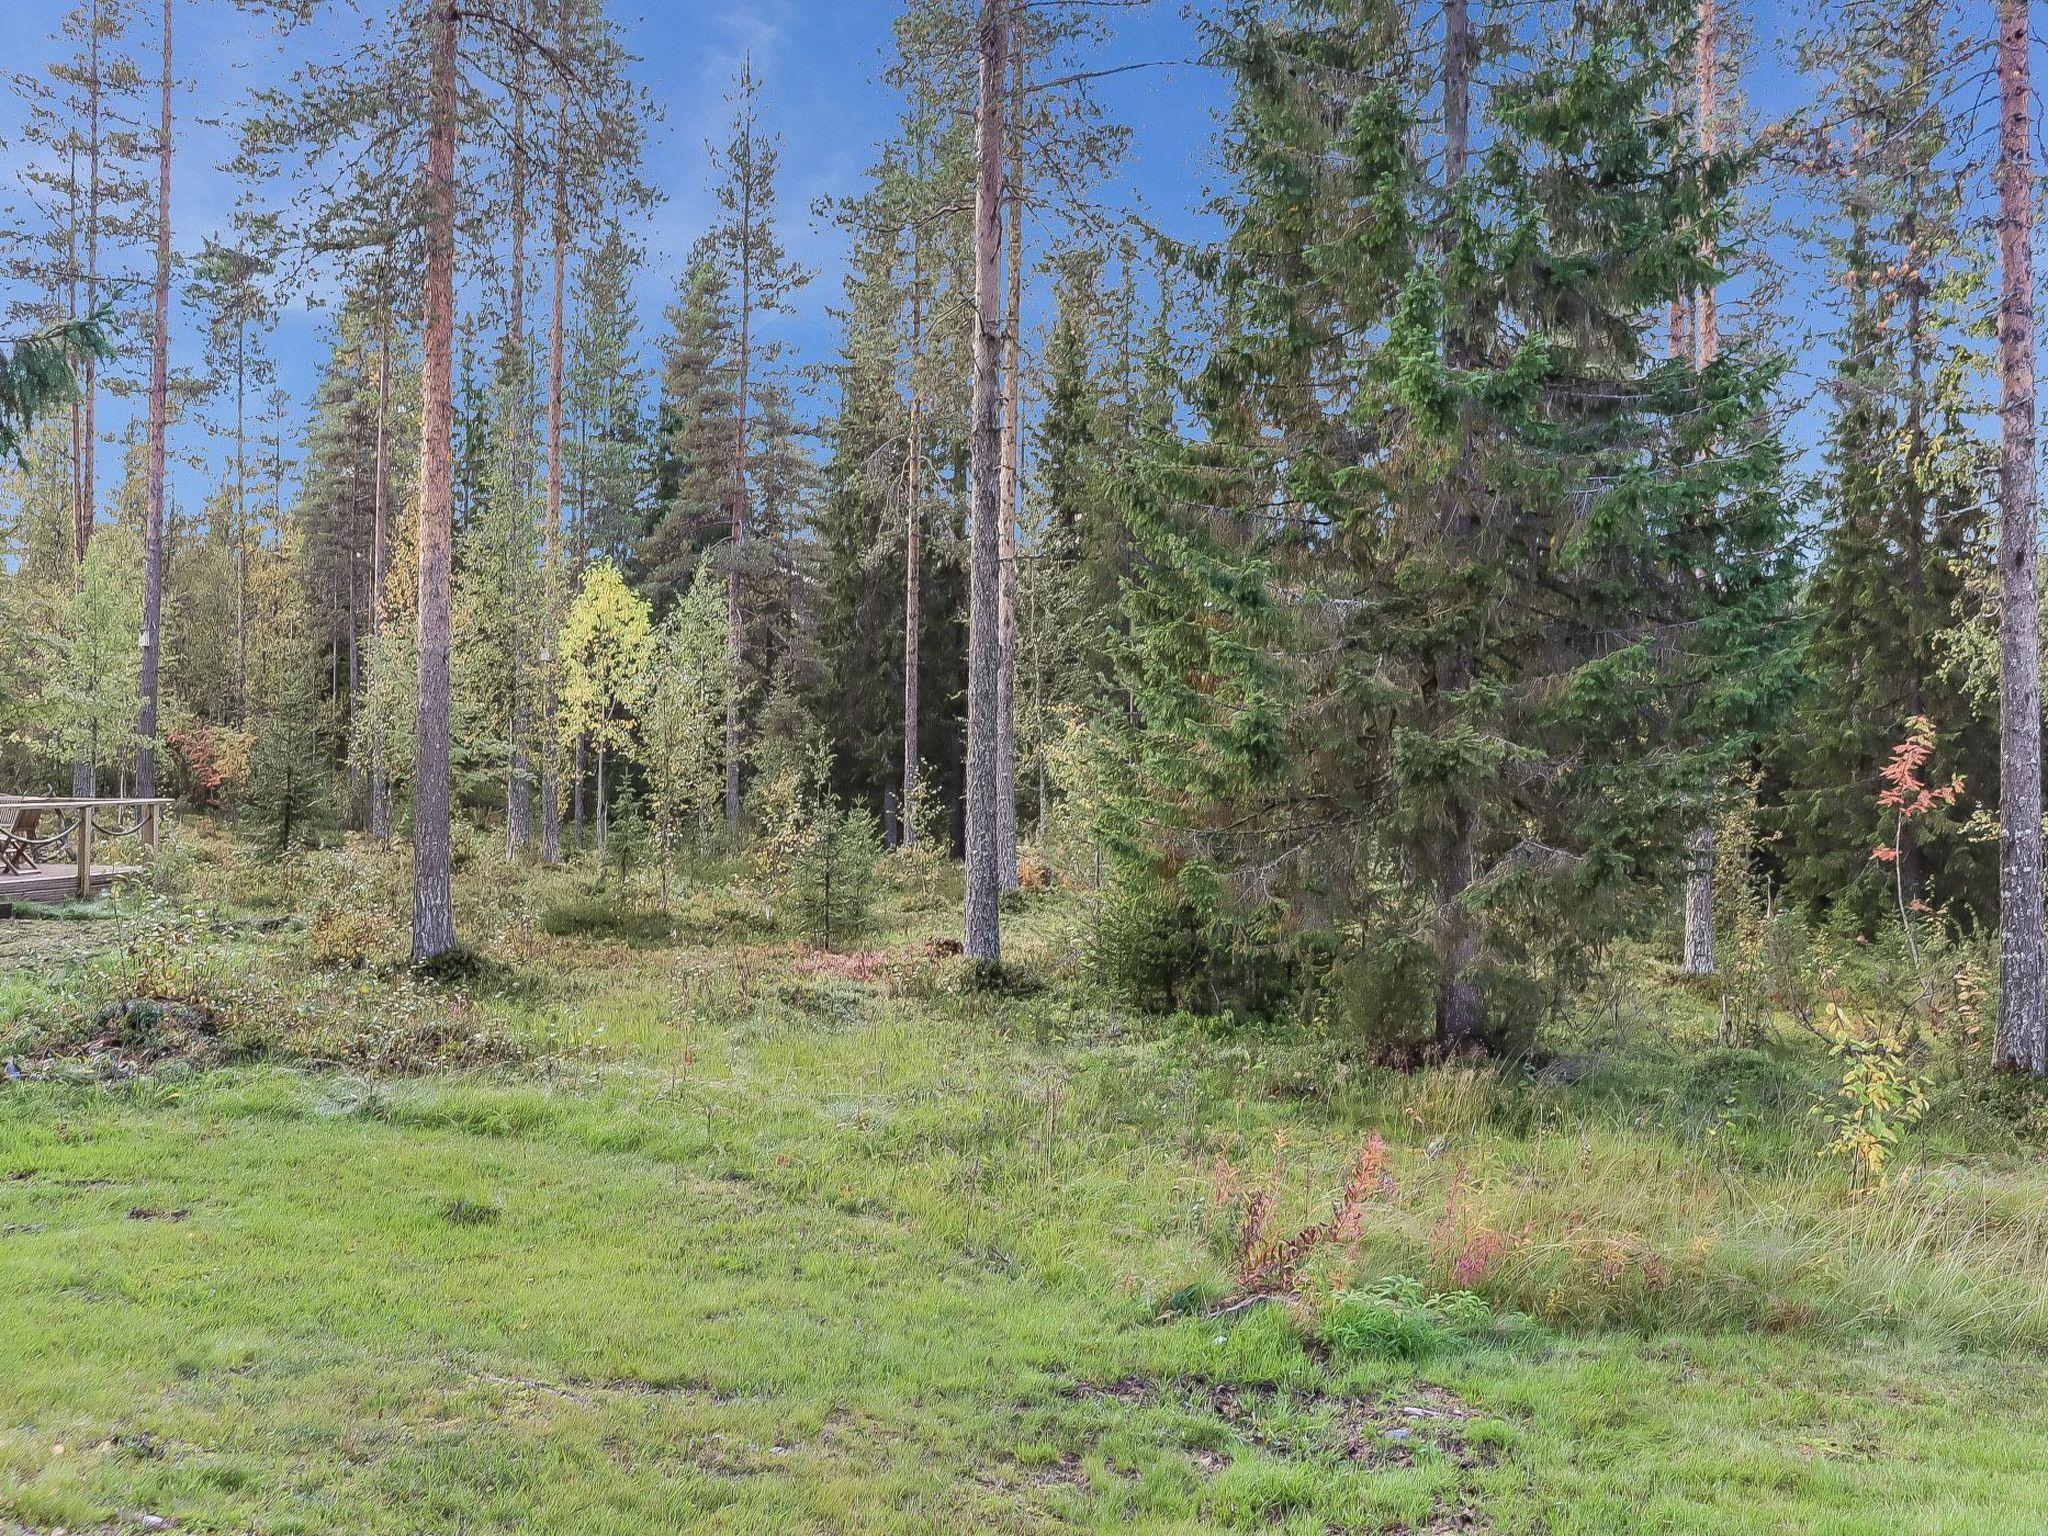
x,y
1013,457
241,527
1699,879
84,769
1461,1011
159,408
984,874
913,541
433,907
734,605
88,502
518,553
550,752
2022,1036
380,559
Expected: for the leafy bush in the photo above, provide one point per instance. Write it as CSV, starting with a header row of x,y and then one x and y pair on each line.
x,y
210,762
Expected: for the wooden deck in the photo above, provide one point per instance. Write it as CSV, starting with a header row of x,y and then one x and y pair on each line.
x,y
48,846
56,883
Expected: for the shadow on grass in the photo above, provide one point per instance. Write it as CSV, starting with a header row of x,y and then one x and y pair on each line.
x,y
600,915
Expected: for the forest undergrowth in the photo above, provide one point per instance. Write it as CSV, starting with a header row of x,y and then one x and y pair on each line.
x,y
649,1218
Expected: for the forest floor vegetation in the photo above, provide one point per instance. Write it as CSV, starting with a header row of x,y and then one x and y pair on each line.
x,y
671,1220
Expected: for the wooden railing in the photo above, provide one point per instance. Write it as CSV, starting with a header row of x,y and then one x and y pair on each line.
x,y
81,824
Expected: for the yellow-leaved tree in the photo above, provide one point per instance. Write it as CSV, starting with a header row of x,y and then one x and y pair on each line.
x,y
607,637
680,742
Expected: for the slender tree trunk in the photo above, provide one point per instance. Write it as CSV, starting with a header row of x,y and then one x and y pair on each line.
x,y
1699,880
433,906
1707,94
84,769
1013,458
576,790
735,617
984,784
2022,1041
89,499
380,542
241,528
913,538
1461,1012
71,228
550,751
518,553
159,424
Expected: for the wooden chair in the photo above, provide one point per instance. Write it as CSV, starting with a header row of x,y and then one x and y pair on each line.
x,y
17,838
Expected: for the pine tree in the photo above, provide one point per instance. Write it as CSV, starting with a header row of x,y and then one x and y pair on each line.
x,y
159,424
228,285
595,147
2022,1042
761,278
86,180
1899,527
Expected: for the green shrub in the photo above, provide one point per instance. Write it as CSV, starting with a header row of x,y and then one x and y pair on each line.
x,y
1397,1319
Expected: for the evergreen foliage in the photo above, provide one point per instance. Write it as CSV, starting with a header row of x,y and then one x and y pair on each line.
x,y
1461,597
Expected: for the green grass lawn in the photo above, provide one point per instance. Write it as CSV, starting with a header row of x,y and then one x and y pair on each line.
x,y
766,1241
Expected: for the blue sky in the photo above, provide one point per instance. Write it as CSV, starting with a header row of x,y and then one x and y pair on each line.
x,y
819,60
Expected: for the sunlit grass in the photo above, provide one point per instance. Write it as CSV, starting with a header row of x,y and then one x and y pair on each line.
x,y
758,1239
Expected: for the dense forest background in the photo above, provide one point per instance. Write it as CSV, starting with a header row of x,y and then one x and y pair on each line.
x,y
1539,501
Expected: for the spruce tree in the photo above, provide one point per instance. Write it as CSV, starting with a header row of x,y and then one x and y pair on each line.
x,y
1409,707
694,462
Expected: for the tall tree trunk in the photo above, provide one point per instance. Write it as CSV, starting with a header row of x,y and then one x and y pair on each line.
x,y
71,270
1699,877
913,540
550,751
1461,1012
159,423
2022,1041
518,553
433,905
84,769
735,617
984,785
380,558
1013,458
87,511
241,526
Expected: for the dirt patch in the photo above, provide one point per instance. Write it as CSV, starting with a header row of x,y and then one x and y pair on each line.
x,y
125,1037
588,1393
865,965
151,1213
1010,1475
1307,1423
1381,1432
